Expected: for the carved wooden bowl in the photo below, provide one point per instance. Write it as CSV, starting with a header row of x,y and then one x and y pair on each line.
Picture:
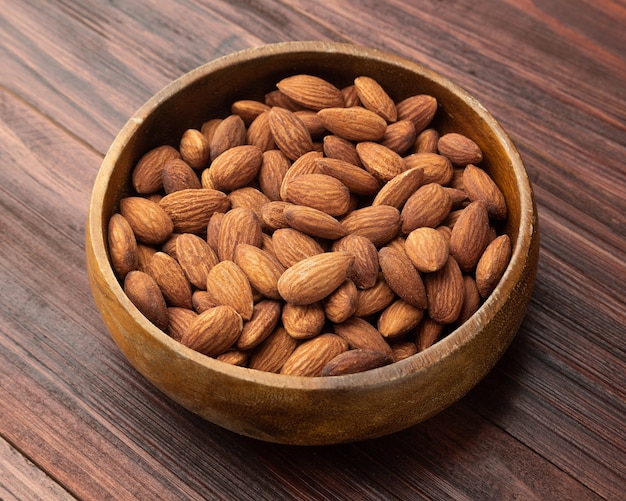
x,y
317,410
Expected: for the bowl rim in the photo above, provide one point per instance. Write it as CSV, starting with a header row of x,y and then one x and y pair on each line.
x,y
382,375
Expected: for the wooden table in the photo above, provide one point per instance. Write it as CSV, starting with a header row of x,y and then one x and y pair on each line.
x,y
78,421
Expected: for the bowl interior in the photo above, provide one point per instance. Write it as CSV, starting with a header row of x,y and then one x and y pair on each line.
x,y
285,408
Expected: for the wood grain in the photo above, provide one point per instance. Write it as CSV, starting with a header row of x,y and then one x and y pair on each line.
x,y
547,423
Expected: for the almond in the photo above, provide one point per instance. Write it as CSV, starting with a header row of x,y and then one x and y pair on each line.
x,y
471,299
436,168
355,178
196,258
419,109
399,136
403,349
306,164
236,167
171,279
310,358
146,295
374,299
445,292
194,149
399,318
354,124
274,167
311,92
249,197
398,190
479,186
384,164
426,141
292,246
202,300
364,272
150,223
428,206
282,100
146,177
314,222
427,248
248,109
265,318
190,210
303,321
300,284
319,191
262,269
341,149
227,284
350,96
469,235
273,215
493,264
233,357
122,246
361,335
460,149
290,134
259,133
208,128
228,133
239,226
178,175
375,98
428,332
179,321
271,354
213,230
213,331
312,122
402,277
144,255
341,304
378,223
354,361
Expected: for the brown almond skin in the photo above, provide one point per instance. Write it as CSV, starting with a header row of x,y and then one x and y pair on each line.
x,y
228,133
289,132
259,133
426,141
445,292
249,197
196,258
150,223
305,164
248,109
479,186
340,149
146,176
354,177
274,167
202,300
354,124
310,357
428,206
493,264
399,136
319,191
378,223
427,334
300,283
365,269
303,321
236,167
262,269
190,210
271,354
342,302
122,246
471,301
171,279
436,168
213,230
314,222
375,98
292,246
234,357
403,349
398,190
361,335
383,163
354,361
146,295
460,149
311,91
228,285
402,277
178,175
179,321
273,215
398,319
427,248
469,235
265,318
194,149
213,331
374,299
239,226
419,109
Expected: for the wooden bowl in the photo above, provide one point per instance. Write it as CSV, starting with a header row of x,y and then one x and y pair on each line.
x,y
300,410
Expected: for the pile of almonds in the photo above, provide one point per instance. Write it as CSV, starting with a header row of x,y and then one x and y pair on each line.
x,y
321,232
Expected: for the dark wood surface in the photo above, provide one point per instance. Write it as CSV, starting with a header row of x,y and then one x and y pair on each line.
x,y
76,420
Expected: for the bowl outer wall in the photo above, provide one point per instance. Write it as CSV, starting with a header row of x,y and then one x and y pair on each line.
x,y
296,410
